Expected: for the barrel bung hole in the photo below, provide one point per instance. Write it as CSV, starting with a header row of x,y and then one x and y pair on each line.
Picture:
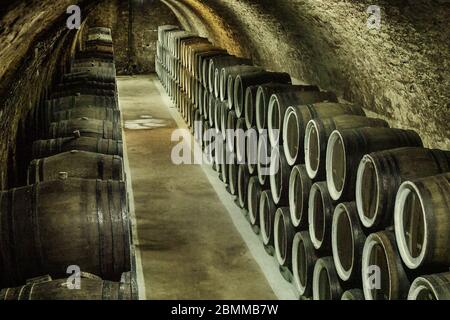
x,y
344,240
378,258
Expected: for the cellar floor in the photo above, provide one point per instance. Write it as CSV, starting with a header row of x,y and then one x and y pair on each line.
x,y
187,244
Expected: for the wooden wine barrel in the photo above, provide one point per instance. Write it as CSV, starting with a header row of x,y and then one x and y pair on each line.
x,y
267,210
299,188
353,294
211,110
82,64
230,129
320,217
251,150
97,47
245,80
264,156
80,86
346,148
422,222
219,62
99,37
47,148
68,222
232,169
91,288
91,73
431,287
242,185
264,94
283,233
72,102
250,107
279,176
279,104
253,200
227,76
98,113
87,128
380,174
205,103
347,240
202,60
295,123
241,140
191,56
224,120
304,259
103,56
163,31
316,138
219,109
99,30
326,283
83,91
383,276
77,164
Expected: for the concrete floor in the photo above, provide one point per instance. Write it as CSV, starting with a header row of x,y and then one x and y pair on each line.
x,y
188,245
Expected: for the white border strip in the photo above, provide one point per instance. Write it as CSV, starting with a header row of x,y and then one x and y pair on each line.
x,y
139,269
269,266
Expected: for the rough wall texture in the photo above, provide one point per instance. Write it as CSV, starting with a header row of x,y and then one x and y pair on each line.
x,y
400,72
36,47
135,31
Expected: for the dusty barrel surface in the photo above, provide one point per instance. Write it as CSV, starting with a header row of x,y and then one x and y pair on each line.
x,y
347,240
304,259
383,275
98,113
245,80
69,222
253,200
316,138
87,128
47,148
267,210
431,287
326,283
265,92
91,288
320,217
299,189
283,233
77,164
279,176
353,294
422,222
346,148
295,126
380,174
279,104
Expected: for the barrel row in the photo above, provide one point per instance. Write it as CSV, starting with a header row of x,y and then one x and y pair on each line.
x,y
67,234
349,207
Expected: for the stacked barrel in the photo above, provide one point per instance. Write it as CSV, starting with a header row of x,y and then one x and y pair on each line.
x,y
349,207
71,222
